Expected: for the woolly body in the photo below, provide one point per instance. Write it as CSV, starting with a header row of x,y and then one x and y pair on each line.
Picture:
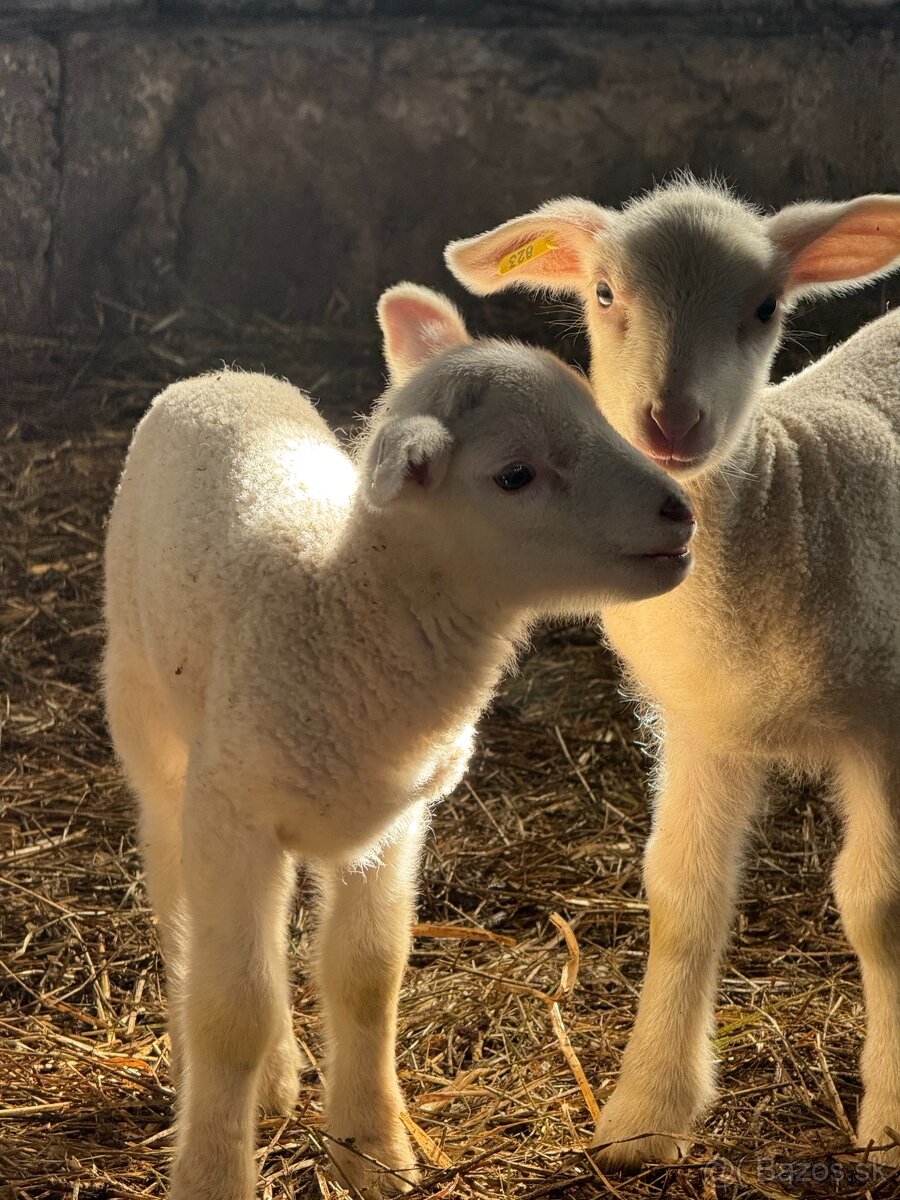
x,y
285,589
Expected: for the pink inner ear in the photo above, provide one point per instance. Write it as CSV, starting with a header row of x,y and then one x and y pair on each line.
x,y
564,260
859,245
416,330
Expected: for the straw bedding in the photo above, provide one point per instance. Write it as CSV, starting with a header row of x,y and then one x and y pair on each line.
x,y
533,932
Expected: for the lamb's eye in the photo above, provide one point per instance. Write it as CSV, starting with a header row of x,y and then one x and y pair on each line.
x,y
514,477
605,294
766,310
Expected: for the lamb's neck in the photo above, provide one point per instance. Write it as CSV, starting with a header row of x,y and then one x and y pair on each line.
x,y
709,651
725,496
454,633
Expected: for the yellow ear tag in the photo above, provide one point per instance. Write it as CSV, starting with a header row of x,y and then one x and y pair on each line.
x,y
525,254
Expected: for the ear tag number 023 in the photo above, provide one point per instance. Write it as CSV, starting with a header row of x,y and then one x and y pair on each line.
x,y
525,254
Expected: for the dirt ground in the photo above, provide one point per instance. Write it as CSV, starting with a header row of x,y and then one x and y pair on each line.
x,y
533,929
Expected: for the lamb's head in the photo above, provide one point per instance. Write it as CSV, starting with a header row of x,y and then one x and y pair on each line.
x,y
497,456
684,294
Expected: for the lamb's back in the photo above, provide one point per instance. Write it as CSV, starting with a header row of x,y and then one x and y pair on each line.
x,y
851,393
834,435
231,480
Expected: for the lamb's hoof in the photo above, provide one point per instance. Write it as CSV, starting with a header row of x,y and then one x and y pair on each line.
x,y
642,1124
210,1178
392,1173
874,1131
279,1086
623,1153
628,1135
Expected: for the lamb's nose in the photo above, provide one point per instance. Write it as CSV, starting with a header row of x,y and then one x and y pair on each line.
x,y
674,423
675,509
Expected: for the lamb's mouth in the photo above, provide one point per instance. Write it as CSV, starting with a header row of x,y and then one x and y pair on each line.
x,y
680,556
673,463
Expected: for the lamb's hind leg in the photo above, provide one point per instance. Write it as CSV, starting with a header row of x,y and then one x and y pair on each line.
x,y
363,945
155,761
867,886
279,1083
154,758
702,814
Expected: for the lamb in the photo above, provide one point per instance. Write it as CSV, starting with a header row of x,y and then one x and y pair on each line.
x,y
784,645
299,646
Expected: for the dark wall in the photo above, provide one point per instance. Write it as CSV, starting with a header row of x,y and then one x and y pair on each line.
x,y
293,157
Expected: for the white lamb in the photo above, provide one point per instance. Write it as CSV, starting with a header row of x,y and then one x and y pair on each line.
x,y
784,645
298,649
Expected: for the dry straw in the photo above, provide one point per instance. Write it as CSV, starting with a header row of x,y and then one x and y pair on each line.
x,y
528,958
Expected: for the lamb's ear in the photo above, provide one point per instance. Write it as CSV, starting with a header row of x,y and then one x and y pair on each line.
x,y
548,248
417,324
836,247
406,454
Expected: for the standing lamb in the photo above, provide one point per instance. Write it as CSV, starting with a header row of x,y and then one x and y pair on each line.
x,y
298,649
784,645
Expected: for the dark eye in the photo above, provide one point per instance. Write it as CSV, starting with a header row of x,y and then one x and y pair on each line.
x,y
514,477
605,294
766,310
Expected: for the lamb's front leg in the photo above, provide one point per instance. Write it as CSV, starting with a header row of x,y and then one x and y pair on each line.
x,y
363,946
236,880
867,883
703,810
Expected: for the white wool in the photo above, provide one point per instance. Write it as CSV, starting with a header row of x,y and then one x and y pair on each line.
x,y
299,647
784,644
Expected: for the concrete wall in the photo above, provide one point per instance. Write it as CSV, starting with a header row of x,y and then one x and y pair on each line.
x,y
290,157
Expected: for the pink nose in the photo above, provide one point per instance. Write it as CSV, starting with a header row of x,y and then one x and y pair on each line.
x,y
672,428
